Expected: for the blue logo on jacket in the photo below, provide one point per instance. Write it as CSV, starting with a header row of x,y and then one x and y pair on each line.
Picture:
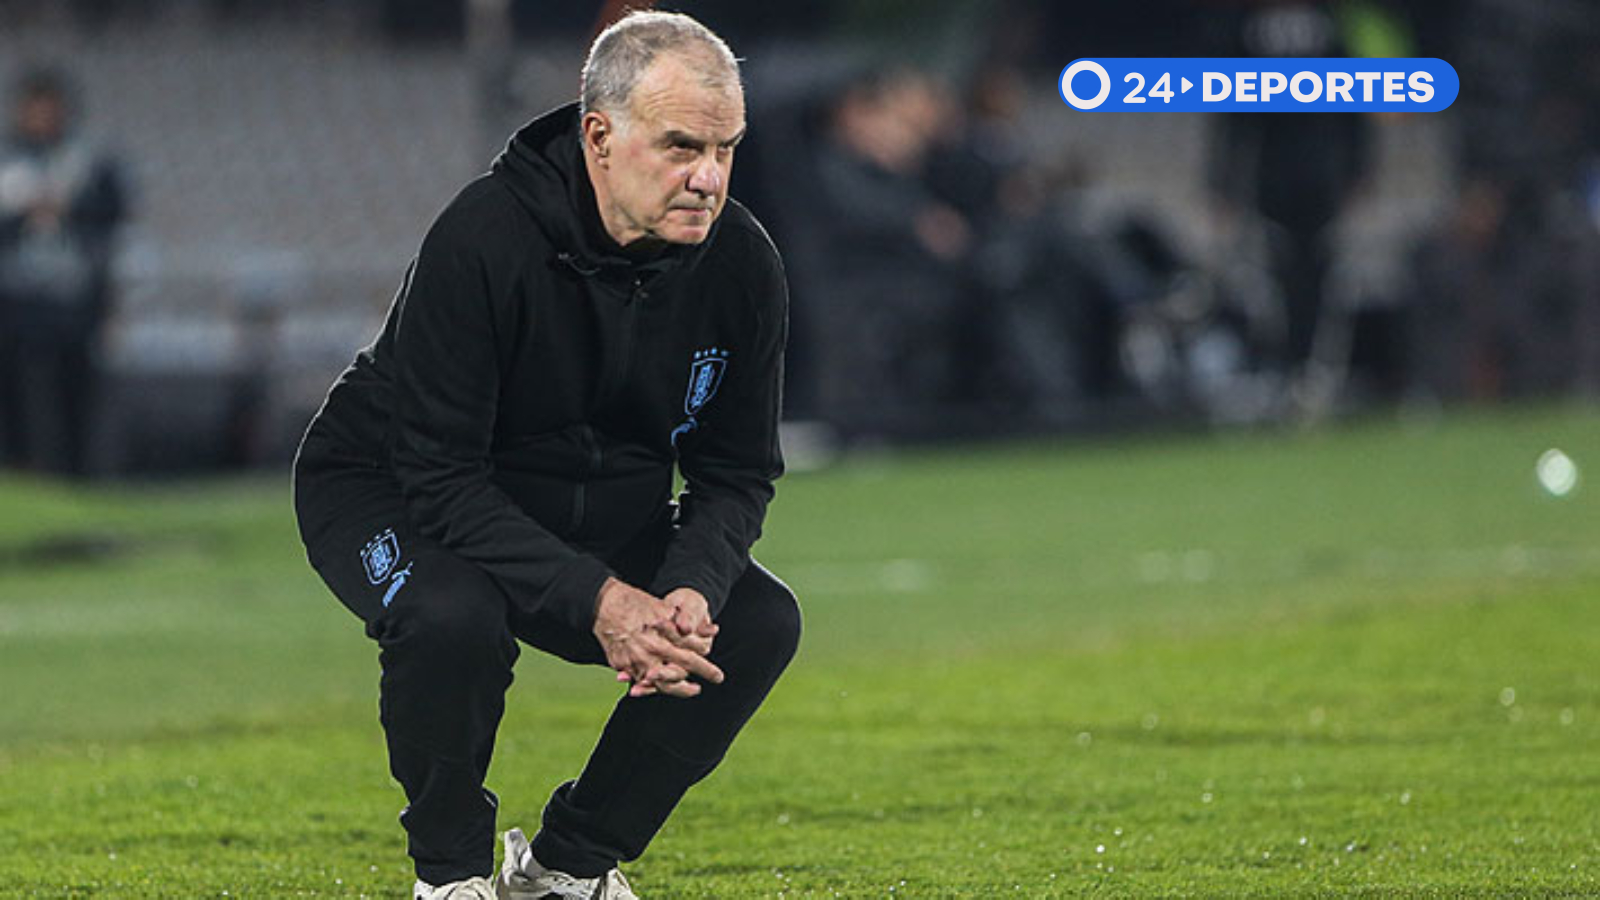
x,y
705,376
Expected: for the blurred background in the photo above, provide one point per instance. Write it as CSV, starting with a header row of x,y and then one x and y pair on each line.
x,y
206,205
1131,622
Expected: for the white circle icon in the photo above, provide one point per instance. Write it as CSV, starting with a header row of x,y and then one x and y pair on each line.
x,y
1084,65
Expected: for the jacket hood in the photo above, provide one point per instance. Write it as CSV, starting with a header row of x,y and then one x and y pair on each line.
x,y
543,167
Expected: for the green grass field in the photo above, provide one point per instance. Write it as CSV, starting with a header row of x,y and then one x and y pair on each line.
x,y
1354,662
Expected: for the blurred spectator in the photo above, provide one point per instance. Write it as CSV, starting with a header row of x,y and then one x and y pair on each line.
x,y
979,164
1296,173
1044,330
60,202
1507,303
1505,297
942,289
1461,272
889,266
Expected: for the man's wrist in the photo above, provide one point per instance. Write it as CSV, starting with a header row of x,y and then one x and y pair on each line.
x,y
608,588
574,596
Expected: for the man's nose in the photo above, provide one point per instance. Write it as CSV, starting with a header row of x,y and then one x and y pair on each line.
x,y
705,178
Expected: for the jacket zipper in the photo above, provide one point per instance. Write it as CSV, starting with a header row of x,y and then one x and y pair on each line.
x,y
617,371
611,384
597,461
578,491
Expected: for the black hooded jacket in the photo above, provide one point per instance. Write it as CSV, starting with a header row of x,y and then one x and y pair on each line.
x,y
532,386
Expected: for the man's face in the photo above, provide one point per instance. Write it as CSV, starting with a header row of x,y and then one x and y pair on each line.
x,y
661,172
41,117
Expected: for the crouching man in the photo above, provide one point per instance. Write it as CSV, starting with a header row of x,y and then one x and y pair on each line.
x,y
496,469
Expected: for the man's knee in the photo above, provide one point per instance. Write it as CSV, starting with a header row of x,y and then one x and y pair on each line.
x,y
764,613
454,615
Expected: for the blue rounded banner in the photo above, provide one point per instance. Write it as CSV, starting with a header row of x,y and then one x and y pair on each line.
x,y
1287,84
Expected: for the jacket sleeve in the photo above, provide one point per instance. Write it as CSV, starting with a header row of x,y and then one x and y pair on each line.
x,y
729,466
447,390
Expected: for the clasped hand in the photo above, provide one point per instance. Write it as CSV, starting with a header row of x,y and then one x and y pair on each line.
x,y
656,644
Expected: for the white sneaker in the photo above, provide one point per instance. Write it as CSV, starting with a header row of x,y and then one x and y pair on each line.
x,y
472,889
523,878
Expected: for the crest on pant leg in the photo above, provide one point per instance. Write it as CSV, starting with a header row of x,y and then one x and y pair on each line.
x,y
380,556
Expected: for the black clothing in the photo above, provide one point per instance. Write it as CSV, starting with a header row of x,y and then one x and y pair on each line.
x,y
888,314
55,294
449,640
533,386
508,442
1297,172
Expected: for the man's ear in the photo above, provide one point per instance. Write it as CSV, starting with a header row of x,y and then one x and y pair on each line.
x,y
597,134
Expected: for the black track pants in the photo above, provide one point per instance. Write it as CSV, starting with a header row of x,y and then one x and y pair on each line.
x,y
449,638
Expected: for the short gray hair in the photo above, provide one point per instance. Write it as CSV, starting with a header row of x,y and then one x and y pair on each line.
x,y
622,53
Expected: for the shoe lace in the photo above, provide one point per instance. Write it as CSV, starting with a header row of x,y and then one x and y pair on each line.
x,y
614,887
